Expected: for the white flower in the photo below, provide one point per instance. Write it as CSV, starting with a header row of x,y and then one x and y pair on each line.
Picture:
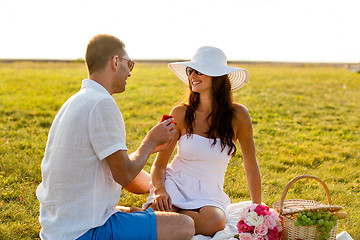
x,y
243,213
252,219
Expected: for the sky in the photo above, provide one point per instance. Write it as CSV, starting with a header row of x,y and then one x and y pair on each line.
x,y
246,30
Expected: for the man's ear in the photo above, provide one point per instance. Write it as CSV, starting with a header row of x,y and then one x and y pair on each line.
x,y
114,62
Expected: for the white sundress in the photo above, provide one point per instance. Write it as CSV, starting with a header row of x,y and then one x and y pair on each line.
x,y
195,177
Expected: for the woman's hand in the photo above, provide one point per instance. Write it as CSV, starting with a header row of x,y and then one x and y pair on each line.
x,y
162,201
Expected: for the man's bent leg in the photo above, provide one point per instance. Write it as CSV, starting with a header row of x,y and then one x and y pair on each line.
x,y
128,209
125,226
174,226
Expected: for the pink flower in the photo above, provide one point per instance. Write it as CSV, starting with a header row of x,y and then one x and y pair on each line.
x,y
244,228
274,234
269,222
274,214
261,230
252,207
259,237
258,222
262,210
245,236
279,227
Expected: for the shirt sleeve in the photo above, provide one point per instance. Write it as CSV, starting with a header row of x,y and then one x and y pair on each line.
x,y
106,128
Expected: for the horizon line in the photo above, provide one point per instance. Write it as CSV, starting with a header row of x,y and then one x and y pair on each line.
x,y
8,60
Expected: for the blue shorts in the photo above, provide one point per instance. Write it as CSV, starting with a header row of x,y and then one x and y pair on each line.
x,y
123,226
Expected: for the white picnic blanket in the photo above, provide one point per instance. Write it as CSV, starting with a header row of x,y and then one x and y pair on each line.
x,y
233,217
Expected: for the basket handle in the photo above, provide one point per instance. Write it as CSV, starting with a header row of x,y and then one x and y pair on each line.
x,y
294,180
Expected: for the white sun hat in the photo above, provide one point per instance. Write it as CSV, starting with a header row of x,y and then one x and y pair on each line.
x,y
211,61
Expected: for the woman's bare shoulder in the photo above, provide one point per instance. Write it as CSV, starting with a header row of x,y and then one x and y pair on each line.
x,y
241,112
241,120
178,111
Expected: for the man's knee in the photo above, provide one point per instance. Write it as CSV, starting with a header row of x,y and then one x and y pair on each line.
x,y
174,226
187,226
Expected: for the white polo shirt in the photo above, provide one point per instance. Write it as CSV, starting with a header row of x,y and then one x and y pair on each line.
x,y
77,191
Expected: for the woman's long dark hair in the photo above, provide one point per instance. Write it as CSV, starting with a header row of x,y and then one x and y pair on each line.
x,y
220,118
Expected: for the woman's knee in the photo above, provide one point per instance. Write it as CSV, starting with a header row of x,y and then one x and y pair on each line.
x,y
216,224
212,221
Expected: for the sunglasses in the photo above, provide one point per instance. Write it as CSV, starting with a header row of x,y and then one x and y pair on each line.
x,y
190,70
130,62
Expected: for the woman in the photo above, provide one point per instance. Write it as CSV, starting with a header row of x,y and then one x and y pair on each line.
x,y
208,125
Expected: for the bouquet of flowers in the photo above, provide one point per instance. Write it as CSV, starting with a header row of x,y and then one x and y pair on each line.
x,y
258,222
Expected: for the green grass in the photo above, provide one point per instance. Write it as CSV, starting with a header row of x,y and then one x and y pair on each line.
x,y
306,120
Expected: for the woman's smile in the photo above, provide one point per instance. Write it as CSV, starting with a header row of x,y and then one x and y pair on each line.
x,y
196,82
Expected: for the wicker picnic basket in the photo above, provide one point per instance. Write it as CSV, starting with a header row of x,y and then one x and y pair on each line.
x,y
289,208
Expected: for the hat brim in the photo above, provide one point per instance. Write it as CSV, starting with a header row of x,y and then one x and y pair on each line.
x,y
238,76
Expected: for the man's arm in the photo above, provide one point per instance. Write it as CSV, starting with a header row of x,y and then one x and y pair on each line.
x,y
124,168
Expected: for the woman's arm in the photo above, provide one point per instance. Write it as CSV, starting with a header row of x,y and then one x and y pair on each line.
x,y
245,137
162,199
140,184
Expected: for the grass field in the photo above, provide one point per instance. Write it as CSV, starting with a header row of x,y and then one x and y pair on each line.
x,y
306,120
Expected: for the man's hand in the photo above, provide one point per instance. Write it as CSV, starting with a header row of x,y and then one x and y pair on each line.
x,y
162,134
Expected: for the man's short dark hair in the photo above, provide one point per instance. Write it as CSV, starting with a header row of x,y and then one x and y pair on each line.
x,y
100,49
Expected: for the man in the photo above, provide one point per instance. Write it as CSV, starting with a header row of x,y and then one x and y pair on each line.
x,y
86,163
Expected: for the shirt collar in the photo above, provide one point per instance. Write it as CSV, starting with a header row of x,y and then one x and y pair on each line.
x,y
88,83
